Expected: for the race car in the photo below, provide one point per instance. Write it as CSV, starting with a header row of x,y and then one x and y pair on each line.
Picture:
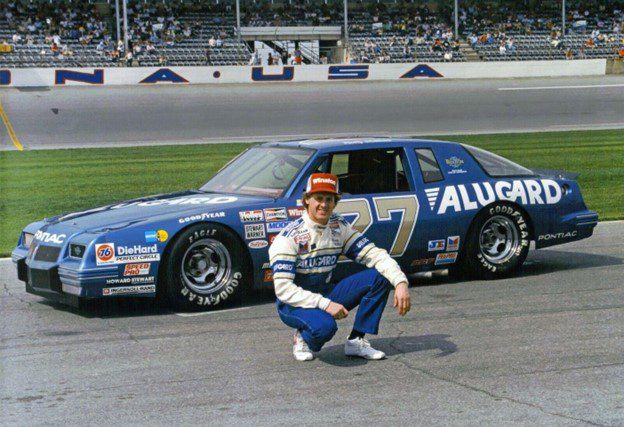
x,y
430,204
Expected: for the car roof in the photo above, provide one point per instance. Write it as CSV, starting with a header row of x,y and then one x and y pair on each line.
x,y
348,144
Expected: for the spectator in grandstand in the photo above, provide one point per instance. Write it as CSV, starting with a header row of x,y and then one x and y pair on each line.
x,y
581,53
207,55
212,42
255,58
473,40
297,57
17,39
589,43
621,52
162,60
448,56
568,54
502,49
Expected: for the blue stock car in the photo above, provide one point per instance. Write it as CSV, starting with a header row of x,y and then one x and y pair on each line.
x,y
431,204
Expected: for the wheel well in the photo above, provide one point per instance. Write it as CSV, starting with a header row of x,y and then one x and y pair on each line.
x,y
166,251
505,202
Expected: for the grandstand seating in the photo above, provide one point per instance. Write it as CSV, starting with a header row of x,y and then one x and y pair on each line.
x,y
386,25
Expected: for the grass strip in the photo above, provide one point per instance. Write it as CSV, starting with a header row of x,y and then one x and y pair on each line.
x,y
43,183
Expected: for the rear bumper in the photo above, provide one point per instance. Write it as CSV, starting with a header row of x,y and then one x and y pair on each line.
x,y
575,226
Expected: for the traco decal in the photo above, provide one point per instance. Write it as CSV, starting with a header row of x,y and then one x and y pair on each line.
x,y
452,243
268,275
254,231
251,216
275,214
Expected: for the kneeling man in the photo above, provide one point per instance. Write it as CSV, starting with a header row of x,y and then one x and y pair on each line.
x,y
303,257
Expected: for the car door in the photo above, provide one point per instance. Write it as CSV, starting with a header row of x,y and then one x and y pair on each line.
x,y
377,198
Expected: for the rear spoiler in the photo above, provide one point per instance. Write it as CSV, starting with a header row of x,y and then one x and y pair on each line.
x,y
554,173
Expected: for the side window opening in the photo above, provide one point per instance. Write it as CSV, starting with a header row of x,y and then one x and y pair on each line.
x,y
429,167
370,171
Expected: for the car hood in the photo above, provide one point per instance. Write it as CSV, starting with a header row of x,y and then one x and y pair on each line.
x,y
123,214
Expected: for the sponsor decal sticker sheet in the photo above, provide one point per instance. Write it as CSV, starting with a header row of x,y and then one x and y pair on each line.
x,y
251,216
446,258
254,231
436,245
275,214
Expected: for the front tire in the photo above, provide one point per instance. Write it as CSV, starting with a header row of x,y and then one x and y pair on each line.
x,y
497,242
206,268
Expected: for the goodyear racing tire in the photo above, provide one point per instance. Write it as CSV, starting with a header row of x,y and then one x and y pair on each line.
x,y
206,269
497,243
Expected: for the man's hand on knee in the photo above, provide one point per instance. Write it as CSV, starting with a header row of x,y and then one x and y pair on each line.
x,y
402,298
337,311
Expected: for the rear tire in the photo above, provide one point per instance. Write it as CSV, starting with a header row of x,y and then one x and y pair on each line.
x,y
206,269
497,243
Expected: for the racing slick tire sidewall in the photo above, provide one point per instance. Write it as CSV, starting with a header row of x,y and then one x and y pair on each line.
x,y
182,297
475,263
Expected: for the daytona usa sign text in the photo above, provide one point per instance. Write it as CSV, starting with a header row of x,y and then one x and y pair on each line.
x,y
465,197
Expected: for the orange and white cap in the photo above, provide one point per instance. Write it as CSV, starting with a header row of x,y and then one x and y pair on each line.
x,y
322,182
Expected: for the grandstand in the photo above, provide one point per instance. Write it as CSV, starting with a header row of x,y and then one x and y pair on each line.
x,y
175,33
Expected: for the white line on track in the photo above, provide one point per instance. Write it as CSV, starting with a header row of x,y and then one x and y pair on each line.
x,y
558,87
204,313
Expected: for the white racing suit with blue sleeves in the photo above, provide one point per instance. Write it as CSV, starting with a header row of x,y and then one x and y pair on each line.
x,y
303,257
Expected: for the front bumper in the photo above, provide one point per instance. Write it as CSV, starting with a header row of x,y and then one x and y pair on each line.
x,y
67,283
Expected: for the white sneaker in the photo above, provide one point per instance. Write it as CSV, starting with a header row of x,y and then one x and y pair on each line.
x,y
360,347
301,351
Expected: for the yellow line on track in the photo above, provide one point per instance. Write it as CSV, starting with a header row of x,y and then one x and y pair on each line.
x,y
7,123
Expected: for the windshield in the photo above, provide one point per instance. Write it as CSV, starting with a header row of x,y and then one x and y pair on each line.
x,y
260,171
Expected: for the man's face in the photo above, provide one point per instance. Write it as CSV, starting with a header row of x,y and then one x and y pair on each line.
x,y
321,206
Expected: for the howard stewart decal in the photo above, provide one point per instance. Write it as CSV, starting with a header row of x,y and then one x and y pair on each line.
x,y
467,197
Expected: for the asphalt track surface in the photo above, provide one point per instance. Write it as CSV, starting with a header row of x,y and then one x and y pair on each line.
x,y
545,348
120,116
